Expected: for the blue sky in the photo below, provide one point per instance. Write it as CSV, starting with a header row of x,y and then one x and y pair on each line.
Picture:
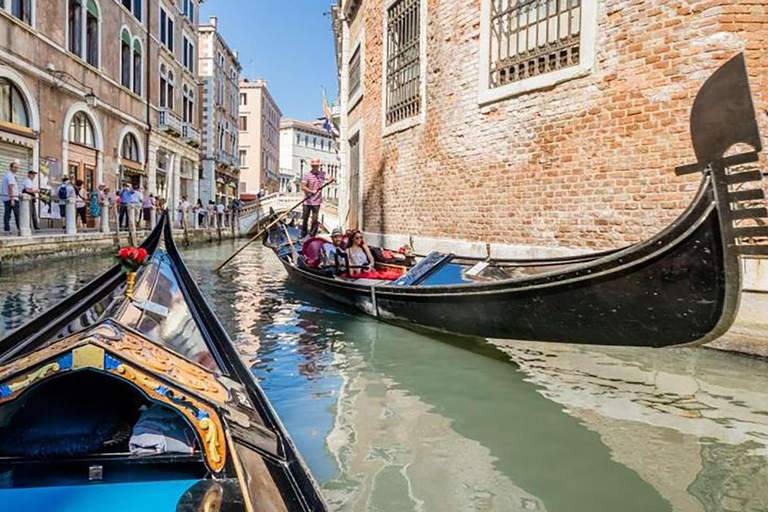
x,y
288,42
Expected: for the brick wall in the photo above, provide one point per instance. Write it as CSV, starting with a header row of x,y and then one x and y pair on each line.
x,y
588,163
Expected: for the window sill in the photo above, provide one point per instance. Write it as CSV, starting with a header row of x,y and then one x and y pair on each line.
x,y
401,126
354,100
488,96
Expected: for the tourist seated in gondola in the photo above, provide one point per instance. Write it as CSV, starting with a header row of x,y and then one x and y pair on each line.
x,y
360,257
333,255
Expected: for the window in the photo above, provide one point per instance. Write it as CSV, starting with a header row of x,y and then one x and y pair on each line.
x,y
75,27
243,98
188,54
533,38
355,73
243,124
528,45
166,29
134,6
137,65
125,58
22,9
170,86
188,9
163,86
403,86
92,34
81,130
130,150
188,106
13,108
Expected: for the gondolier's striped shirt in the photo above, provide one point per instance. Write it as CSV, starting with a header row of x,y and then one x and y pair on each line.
x,y
314,181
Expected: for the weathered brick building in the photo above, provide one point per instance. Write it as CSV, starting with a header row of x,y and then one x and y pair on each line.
x,y
540,125
101,90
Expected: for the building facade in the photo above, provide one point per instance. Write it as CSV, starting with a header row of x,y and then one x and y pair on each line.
x,y
259,125
92,89
541,127
220,76
300,143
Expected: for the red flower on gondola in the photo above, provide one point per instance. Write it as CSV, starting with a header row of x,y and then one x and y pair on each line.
x,y
132,258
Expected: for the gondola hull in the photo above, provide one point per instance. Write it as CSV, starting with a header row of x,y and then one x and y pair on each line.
x,y
681,287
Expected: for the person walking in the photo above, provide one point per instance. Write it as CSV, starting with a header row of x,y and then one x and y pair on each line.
x,y
95,202
80,199
311,184
31,190
183,209
9,191
66,190
211,214
126,197
220,213
146,207
199,210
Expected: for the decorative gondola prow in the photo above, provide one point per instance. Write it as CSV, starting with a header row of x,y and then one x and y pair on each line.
x,y
723,115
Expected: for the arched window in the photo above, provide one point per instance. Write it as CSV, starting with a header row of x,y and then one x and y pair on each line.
x,y
163,86
188,106
137,75
81,130
13,108
171,86
130,149
125,58
92,34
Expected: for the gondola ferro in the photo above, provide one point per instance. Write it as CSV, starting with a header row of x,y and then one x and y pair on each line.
x,y
109,403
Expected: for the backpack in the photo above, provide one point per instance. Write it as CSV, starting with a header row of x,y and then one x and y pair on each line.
x,y
63,192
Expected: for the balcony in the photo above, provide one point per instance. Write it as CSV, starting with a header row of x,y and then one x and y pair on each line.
x,y
169,121
191,135
224,158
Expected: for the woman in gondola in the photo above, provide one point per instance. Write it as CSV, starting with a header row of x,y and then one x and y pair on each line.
x,y
360,257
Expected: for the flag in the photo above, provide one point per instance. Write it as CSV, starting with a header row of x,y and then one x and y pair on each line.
x,y
328,114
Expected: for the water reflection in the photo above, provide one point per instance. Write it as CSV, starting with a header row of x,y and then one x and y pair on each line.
x,y
389,419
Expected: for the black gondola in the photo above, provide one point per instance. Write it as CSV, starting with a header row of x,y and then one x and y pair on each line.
x,y
681,287
145,397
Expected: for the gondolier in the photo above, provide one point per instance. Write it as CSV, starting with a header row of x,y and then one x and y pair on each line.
x,y
311,184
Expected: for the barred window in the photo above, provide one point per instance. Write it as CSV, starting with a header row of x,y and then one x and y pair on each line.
x,y
403,60
532,37
354,73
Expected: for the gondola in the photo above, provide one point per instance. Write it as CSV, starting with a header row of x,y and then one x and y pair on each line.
x,y
139,401
681,287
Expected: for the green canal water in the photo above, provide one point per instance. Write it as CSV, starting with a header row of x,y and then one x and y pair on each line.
x,y
392,420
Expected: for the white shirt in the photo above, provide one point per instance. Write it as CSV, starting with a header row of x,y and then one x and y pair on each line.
x,y
220,208
138,197
9,180
28,184
184,206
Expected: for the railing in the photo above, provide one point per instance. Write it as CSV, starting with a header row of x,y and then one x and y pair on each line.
x,y
191,135
225,158
169,121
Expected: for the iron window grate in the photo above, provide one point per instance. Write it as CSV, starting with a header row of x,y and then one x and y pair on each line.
x,y
533,37
403,60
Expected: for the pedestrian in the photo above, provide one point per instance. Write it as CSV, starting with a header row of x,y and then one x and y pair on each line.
x,y
146,207
95,204
313,197
126,197
137,200
220,213
236,205
66,190
9,191
211,217
80,199
200,212
31,190
183,209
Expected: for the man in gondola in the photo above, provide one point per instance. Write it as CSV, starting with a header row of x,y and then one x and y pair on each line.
x,y
311,184
334,257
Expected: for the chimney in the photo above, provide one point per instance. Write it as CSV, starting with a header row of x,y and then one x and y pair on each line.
x,y
213,21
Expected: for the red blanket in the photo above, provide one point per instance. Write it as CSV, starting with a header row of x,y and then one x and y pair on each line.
x,y
375,274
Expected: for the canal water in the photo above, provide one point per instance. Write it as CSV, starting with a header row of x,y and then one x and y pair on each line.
x,y
392,420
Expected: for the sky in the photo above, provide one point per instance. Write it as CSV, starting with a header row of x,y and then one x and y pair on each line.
x,y
287,42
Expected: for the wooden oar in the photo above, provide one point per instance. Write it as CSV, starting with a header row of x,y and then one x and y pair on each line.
x,y
281,217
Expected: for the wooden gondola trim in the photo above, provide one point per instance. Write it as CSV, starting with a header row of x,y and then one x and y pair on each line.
x,y
750,213
743,177
752,194
751,232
